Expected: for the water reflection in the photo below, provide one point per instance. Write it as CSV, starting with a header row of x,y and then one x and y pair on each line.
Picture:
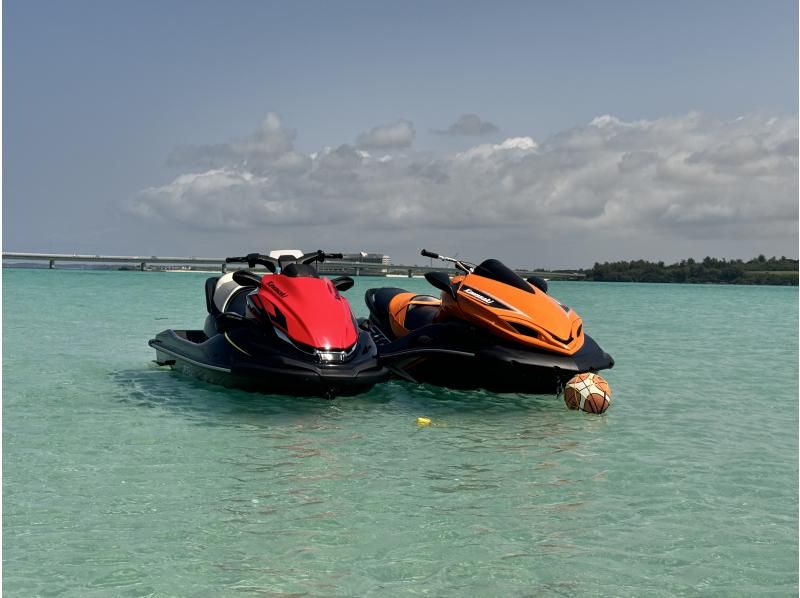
x,y
158,387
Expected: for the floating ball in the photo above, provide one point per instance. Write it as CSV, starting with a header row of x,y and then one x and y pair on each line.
x,y
588,392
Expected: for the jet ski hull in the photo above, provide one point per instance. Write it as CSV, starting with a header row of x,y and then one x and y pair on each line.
x,y
458,355
230,361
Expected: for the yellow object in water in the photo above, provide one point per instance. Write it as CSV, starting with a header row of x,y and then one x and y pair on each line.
x,y
423,421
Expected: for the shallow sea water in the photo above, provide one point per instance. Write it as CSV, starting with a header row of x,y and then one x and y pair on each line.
x,y
124,479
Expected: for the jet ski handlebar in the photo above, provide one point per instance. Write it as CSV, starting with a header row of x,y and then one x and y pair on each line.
x,y
461,265
251,259
318,256
271,263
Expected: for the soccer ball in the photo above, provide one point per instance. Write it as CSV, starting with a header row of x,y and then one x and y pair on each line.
x,y
588,392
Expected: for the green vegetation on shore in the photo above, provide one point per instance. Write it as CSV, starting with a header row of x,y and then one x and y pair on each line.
x,y
759,270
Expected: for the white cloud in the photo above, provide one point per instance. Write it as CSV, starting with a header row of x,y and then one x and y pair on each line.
x,y
468,125
520,145
677,178
258,152
395,135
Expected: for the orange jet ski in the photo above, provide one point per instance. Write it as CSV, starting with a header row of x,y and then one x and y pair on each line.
x,y
489,329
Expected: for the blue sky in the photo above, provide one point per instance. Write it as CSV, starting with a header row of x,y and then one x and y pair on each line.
x,y
209,128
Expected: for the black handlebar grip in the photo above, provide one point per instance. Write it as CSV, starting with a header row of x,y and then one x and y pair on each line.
x,y
230,260
427,253
334,256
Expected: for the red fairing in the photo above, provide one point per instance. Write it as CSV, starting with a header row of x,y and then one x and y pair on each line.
x,y
316,314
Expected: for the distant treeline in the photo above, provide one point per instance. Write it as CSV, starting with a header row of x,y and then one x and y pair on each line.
x,y
759,270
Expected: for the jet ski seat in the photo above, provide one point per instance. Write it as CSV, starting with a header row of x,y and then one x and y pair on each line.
x,y
238,301
422,313
378,299
211,286
378,303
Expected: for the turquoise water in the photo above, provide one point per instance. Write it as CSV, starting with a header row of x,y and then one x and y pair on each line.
x,y
123,479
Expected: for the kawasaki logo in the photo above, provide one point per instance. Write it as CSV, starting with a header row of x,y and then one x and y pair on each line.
x,y
276,290
478,296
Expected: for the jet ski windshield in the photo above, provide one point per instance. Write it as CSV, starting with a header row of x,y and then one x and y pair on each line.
x,y
497,270
300,270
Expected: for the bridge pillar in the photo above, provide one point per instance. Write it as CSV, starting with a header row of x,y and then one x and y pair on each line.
x,y
141,266
224,267
52,264
358,271
409,273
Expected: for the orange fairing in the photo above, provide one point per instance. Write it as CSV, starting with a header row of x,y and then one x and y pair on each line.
x,y
534,319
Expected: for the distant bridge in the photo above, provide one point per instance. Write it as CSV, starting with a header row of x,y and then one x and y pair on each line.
x,y
351,268
140,260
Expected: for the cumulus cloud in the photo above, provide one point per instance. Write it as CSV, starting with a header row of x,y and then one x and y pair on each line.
x,y
468,125
688,177
258,152
392,136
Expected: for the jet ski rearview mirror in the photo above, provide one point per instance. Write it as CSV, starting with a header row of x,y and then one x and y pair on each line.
x,y
441,281
247,278
539,282
342,283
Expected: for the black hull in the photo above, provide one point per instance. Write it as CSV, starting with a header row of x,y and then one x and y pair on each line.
x,y
457,355
218,360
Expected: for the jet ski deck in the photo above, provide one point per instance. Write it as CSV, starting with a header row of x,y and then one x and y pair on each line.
x,y
460,356
217,360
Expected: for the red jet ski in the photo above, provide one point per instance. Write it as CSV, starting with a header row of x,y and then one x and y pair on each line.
x,y
286,331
